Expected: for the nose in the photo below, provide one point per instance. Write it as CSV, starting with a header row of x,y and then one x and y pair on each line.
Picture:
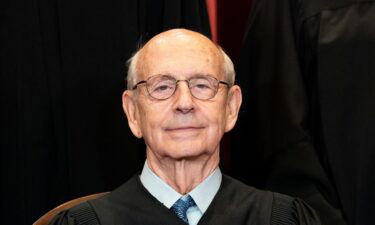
x,y
183,99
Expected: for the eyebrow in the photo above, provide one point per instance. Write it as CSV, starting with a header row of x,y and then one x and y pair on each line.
x,y
194,75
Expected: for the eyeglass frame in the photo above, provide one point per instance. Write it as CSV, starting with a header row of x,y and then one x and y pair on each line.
x,y
188,83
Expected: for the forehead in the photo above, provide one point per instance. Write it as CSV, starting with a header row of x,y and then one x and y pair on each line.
x,y
180,57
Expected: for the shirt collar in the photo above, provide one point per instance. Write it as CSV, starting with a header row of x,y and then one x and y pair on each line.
x,y
202,194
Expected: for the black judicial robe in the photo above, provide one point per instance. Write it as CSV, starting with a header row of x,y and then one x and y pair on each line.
x,y
308,73
234,204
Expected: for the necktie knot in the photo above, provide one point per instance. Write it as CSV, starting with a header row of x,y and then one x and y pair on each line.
x,y
181,206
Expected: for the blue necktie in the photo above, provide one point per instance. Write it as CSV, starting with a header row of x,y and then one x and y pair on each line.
x,y
181,206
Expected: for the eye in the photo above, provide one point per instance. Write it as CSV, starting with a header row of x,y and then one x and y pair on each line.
x,y
202,86
162,88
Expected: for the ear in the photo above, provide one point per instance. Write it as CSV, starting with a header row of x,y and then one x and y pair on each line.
x,y
132,113
233,107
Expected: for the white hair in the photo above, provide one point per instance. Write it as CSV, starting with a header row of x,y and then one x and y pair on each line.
x,y
132,71
228,69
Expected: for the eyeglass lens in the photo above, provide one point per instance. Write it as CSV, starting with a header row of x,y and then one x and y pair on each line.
x,y
163,87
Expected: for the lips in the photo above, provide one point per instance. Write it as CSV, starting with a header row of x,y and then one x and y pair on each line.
x,y
184,128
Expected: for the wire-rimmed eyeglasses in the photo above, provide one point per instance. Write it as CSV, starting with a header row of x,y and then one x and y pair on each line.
x,y
162,87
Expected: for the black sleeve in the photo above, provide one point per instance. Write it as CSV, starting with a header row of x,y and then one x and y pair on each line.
x,y
83,214
62,219
276,105
289,211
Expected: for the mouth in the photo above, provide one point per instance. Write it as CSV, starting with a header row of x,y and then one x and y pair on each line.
x,y
184,129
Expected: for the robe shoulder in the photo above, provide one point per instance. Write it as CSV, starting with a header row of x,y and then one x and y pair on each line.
x,y
77,215
288,210
266,207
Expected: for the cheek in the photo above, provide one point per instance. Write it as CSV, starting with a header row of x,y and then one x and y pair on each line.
x,y
216,120
151,120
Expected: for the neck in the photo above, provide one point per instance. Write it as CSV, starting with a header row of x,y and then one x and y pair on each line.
x,y
183,175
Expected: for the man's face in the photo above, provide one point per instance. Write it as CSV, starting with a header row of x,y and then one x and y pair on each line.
x,y
180,126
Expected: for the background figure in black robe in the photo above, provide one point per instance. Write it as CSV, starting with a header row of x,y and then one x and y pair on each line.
x,y
63,133
181,99
308,73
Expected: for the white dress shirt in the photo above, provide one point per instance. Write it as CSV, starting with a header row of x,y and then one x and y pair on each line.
x,y
202,194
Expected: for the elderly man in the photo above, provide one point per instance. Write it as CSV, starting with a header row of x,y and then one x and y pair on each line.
x,y
181,99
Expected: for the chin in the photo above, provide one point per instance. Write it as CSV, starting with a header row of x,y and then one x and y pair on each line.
x,y
180,152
